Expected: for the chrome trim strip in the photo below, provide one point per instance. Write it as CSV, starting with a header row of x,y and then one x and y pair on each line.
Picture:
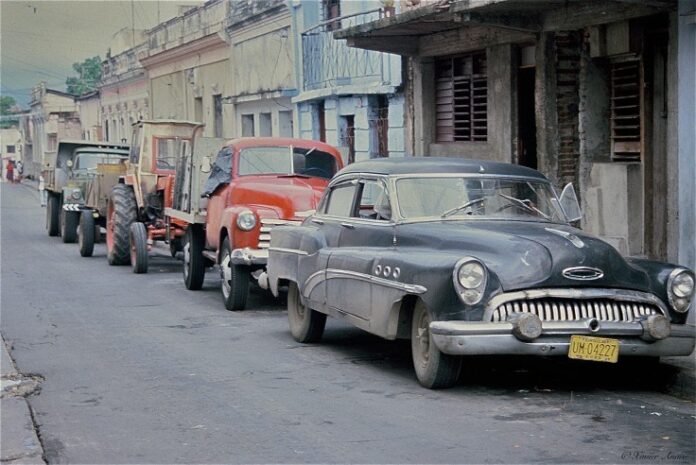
x,y
313,281
332,273
284,250
576,294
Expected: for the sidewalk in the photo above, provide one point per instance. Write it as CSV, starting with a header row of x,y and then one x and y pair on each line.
x,y
19,442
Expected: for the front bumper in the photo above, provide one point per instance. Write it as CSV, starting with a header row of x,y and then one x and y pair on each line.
x,y
483,338
249,256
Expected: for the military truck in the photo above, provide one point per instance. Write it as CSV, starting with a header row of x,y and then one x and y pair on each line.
x,y
67,173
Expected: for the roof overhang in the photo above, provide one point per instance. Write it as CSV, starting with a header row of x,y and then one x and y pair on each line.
x,y
402,34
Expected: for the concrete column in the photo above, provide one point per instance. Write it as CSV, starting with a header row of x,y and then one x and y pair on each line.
x,y
423,104
545,102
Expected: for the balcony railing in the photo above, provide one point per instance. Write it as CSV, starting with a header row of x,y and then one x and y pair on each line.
x,y
328,62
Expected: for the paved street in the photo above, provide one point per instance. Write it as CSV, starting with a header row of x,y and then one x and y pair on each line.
x,y
136,369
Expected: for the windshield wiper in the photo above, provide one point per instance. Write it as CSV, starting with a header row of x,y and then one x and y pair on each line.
x,y
525,205
462,207
294,175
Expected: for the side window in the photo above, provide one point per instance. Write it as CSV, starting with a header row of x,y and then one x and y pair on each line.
x,y
341,200
374,201
135,146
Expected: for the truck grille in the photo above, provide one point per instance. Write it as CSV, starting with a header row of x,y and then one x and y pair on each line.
x,y
267,225
555,309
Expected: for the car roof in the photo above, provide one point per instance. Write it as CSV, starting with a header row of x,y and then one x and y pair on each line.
x,y
434,165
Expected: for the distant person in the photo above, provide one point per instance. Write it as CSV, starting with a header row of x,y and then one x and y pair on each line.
x,y
42,191
20,170
10,171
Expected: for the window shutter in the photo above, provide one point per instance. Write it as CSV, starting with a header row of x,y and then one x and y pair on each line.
x,y
625,111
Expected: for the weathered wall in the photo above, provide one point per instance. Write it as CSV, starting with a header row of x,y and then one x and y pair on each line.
x,y
89,110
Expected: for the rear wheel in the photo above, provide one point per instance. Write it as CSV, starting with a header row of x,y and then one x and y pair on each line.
x,y
121,213
434,369
138,247
85,233
53,215
235,279
194,262
306,325
69,223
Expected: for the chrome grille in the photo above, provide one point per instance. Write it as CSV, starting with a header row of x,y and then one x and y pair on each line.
x,y
554,309
267,225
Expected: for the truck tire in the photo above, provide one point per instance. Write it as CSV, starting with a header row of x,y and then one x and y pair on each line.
x,y
138,247
85,233
69,226
121,213
53,215
194,262
234,279
306,325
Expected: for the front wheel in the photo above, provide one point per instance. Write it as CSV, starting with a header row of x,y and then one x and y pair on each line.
x,y
138,247
121,213
69,226
434,369
85,233
306,325
235,279
194,262
53,215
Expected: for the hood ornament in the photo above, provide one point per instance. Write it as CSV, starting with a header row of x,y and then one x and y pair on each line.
x,y
583,273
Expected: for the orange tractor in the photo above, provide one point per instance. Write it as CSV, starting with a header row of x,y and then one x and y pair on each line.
x,y
135,212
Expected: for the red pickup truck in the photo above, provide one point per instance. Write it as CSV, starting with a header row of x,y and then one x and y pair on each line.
x,y
231,201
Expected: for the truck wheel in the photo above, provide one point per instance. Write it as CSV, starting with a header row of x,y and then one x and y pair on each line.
x,y
85,233
235,279
434,369
69,226
53,215
194,262
121,213
138,247
306,325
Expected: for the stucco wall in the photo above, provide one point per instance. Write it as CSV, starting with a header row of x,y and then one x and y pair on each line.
x,y
276,107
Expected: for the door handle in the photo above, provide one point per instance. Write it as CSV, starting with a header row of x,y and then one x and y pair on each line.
x,y
316,221
348,225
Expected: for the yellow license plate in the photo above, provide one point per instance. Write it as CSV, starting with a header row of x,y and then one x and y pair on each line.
x,y
596,349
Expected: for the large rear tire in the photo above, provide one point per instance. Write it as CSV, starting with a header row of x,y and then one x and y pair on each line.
x,y
85,233
138,247
70,220
234,279
434,369
194,262
53,215
306,325
121,213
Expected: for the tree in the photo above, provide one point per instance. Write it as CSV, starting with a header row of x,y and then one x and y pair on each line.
x,y
7,118
88,76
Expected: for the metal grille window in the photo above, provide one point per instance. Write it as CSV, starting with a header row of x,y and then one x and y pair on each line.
x,y
461,98
625,111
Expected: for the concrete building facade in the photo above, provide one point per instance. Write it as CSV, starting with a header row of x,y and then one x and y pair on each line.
x,y
587,92
89,110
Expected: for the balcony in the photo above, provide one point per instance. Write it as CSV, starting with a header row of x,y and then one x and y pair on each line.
x,y
196,23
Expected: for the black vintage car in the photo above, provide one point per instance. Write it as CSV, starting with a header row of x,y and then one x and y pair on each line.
x,y
470,257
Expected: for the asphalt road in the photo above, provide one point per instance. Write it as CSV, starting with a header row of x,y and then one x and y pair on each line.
x,y
139,370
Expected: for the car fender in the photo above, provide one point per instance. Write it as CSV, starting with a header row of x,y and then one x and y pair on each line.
x,y
296,253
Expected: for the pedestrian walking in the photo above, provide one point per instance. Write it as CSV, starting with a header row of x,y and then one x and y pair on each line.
x,y
20,171
42,191
10,171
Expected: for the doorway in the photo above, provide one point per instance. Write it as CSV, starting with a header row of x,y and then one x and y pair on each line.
x,y
526,117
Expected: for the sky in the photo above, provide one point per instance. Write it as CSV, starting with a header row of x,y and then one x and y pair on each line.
x,y
40,40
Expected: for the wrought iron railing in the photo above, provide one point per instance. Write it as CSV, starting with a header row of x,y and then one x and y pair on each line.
x,y
330,62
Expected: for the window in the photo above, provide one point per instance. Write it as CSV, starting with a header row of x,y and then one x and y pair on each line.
x,y
265,125
280,160
248,126
625,110
198,109
168,151
374,201
332,10
461,98
341,200
52,142
10,149
217,116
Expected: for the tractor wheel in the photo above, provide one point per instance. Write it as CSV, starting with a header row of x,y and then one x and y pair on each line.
x,y
306,325
85,233
194,262
138,247
121,213
434,369
69,223
235,279
53,215
175,246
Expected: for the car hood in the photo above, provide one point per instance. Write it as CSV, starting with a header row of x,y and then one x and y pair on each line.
x,y
287,196
529,254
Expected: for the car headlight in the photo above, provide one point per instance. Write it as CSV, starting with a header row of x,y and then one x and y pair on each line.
x,y
246,221
470,277
76,194
680,289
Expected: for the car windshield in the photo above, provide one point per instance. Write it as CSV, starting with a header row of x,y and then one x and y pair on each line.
x,y
480,198
89,161
291,161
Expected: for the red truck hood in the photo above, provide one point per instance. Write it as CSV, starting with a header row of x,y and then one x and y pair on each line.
x,y
284,195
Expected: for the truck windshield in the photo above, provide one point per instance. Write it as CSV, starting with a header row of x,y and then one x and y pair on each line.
x,y
478,198
286,161
89,161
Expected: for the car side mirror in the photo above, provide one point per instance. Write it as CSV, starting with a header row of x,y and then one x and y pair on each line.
x,y
206,165
569,203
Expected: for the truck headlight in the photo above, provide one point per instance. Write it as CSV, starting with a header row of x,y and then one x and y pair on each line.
x,y
76,194
470,277
680,289
246,220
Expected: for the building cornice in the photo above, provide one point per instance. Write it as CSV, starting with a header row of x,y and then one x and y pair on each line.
x,y
207,42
